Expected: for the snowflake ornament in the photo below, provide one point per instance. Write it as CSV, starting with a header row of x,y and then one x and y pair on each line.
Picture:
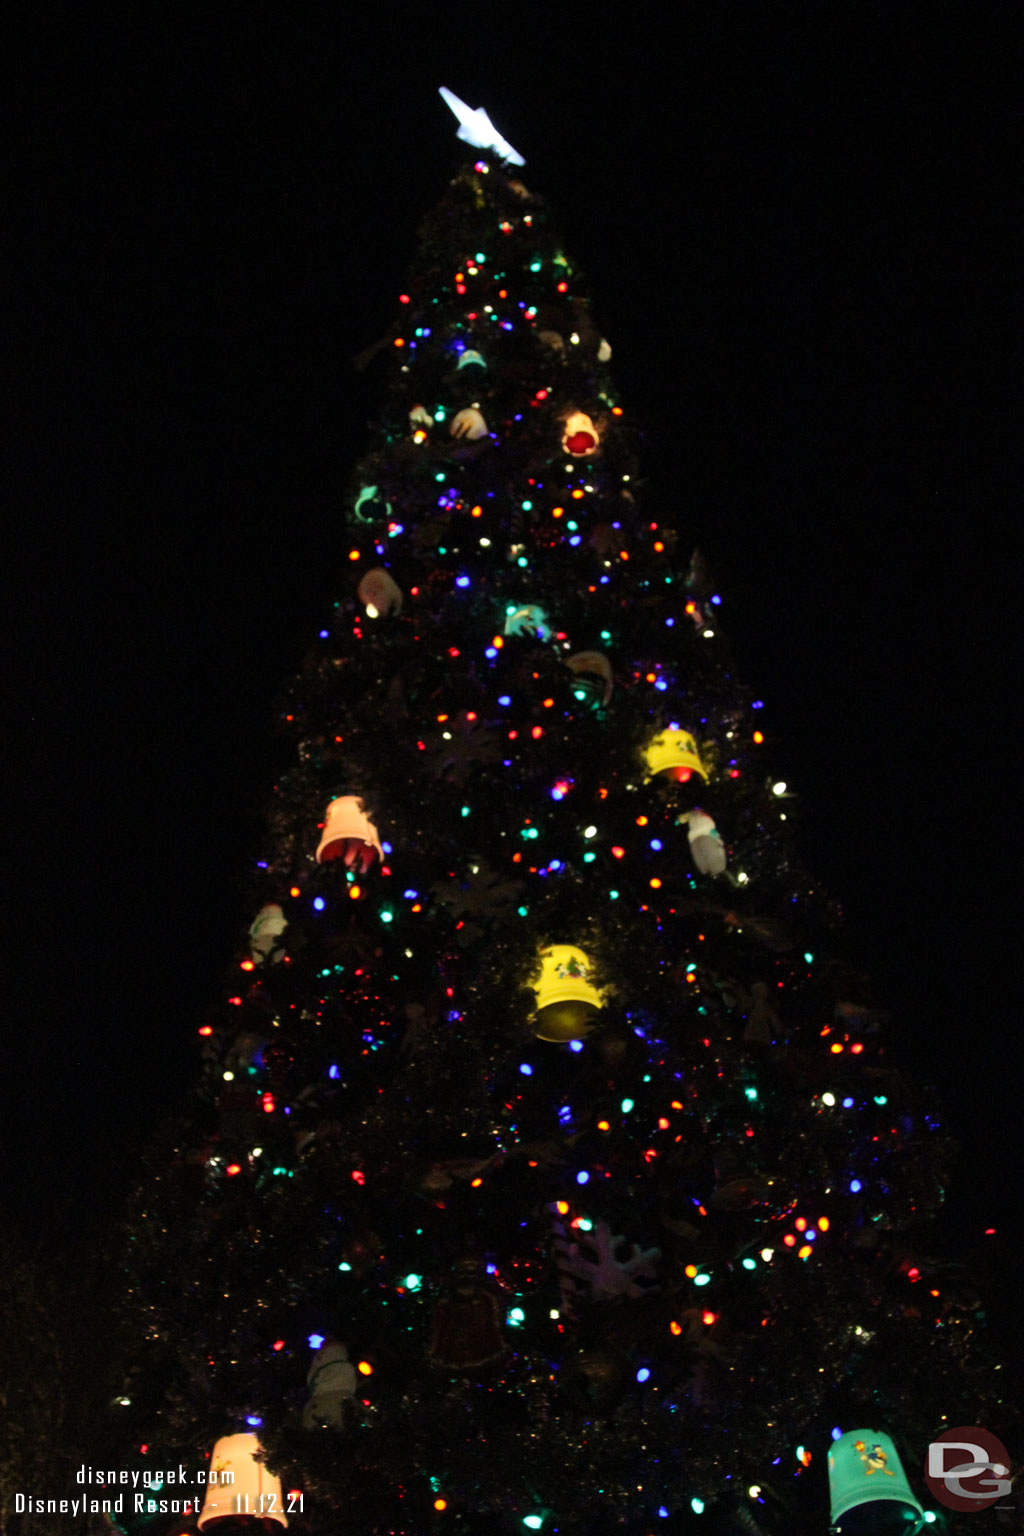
x,y
594,1262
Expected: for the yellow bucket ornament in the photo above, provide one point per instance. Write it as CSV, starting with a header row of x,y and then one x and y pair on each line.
x,y
674,752
567,1001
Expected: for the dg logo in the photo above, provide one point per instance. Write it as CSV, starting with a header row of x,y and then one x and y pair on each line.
x,y
967,1469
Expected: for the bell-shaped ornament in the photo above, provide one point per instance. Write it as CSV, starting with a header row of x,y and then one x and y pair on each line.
x,y
868,1487
593,676
240,1488
674,752
470,359
567,1002
580,436
380,593
469,423
349,835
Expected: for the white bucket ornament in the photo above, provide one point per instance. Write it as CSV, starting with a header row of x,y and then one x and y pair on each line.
x,y
380,593
593,676
349,835
580,437
267,927
469,423
248,1491
706,847
332,1383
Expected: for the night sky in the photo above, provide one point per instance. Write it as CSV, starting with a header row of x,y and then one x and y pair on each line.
x,y
795,226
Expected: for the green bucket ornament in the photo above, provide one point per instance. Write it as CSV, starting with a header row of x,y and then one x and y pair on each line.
x,y
868,1487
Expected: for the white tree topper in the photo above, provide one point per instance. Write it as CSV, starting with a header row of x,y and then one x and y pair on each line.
x,y
477,129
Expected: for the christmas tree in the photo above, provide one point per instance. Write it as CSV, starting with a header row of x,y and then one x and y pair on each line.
x,y
547,1172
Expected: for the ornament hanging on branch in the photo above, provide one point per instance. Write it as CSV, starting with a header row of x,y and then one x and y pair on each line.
x,y
706,846
380,593
420,417
527,619
868,1486
597,1265
465,1330
469,423
472,361
332,1386
370,506
553,341
239,1480
267,927
674,753
593,676
580,437
349,835
763,1025
567,1001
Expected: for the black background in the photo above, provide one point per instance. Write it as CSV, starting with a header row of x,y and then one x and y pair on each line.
x,y
796,225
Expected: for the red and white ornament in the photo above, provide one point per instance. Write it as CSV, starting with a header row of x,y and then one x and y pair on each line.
x,y
580,436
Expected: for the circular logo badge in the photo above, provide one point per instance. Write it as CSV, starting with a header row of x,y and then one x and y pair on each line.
x,y
967,1469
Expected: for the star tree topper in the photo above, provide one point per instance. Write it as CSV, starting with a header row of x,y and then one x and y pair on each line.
x,y
477,129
